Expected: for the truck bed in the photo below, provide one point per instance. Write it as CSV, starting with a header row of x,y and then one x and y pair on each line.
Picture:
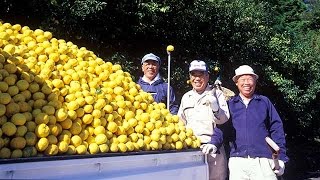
x,y
156,165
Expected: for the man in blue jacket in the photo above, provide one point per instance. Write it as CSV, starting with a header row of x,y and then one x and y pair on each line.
x,y
153,83
252,118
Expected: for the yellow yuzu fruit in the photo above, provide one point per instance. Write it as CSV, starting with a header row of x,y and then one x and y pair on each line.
x,y
3,119
87,118
34,87
112,126
81,149
29,151
99,130
96,113
5,98
114,147
88,108
21,131
17,153
101,139
146,132
150,125
9,128
48,109
3,86
84,134
104,148
130,146
52,139
5,153
188,141
96,122
62,147
139,128
42,130
108,108
41,118
52,150
122,147
94,148
19,98
154,145
109,134
71,150
75,128
175,137
123,138
13,90
22,85
31,126
42,144
76,140
145,117
52,120
140,143
18,143
66,124
55,129
89,99
61,114
155,136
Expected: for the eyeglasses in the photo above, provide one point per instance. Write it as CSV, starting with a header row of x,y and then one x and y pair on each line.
x,y
197,73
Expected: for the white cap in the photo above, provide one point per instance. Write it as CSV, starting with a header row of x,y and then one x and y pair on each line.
x,y
197,65
242,70
150,56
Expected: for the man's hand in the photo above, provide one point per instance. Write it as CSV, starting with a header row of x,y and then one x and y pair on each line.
x,y
213,102
208,149
217,82
280,171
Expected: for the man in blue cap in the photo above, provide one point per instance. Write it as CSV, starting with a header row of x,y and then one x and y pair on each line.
x,y
153,83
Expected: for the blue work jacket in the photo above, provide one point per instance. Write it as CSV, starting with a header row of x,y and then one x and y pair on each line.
x,y
248,126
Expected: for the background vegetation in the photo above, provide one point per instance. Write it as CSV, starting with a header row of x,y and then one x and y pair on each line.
x,y
279,38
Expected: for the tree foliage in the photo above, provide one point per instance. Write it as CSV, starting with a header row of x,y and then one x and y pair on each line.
x,y
279,38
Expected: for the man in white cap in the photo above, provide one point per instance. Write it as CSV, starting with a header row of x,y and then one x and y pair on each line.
x,y
153,83
201,109
253,118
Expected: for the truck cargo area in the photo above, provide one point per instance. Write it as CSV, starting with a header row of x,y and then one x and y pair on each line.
x,y
155,165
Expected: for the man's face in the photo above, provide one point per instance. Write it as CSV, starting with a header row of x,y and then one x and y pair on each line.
x,y
246,85
199,80
150,69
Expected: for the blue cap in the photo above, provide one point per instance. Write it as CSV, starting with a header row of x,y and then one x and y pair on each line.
x,y
150,56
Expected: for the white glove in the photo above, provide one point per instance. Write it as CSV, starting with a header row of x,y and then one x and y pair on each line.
x,y
217,82
208,149
213,102
279,172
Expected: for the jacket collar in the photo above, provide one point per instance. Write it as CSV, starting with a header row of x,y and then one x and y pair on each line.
x,y
156,82
192,92
238,98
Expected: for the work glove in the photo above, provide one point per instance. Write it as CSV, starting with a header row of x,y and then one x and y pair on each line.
x,y
217,83
213,102
218,89
208,149
280,171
